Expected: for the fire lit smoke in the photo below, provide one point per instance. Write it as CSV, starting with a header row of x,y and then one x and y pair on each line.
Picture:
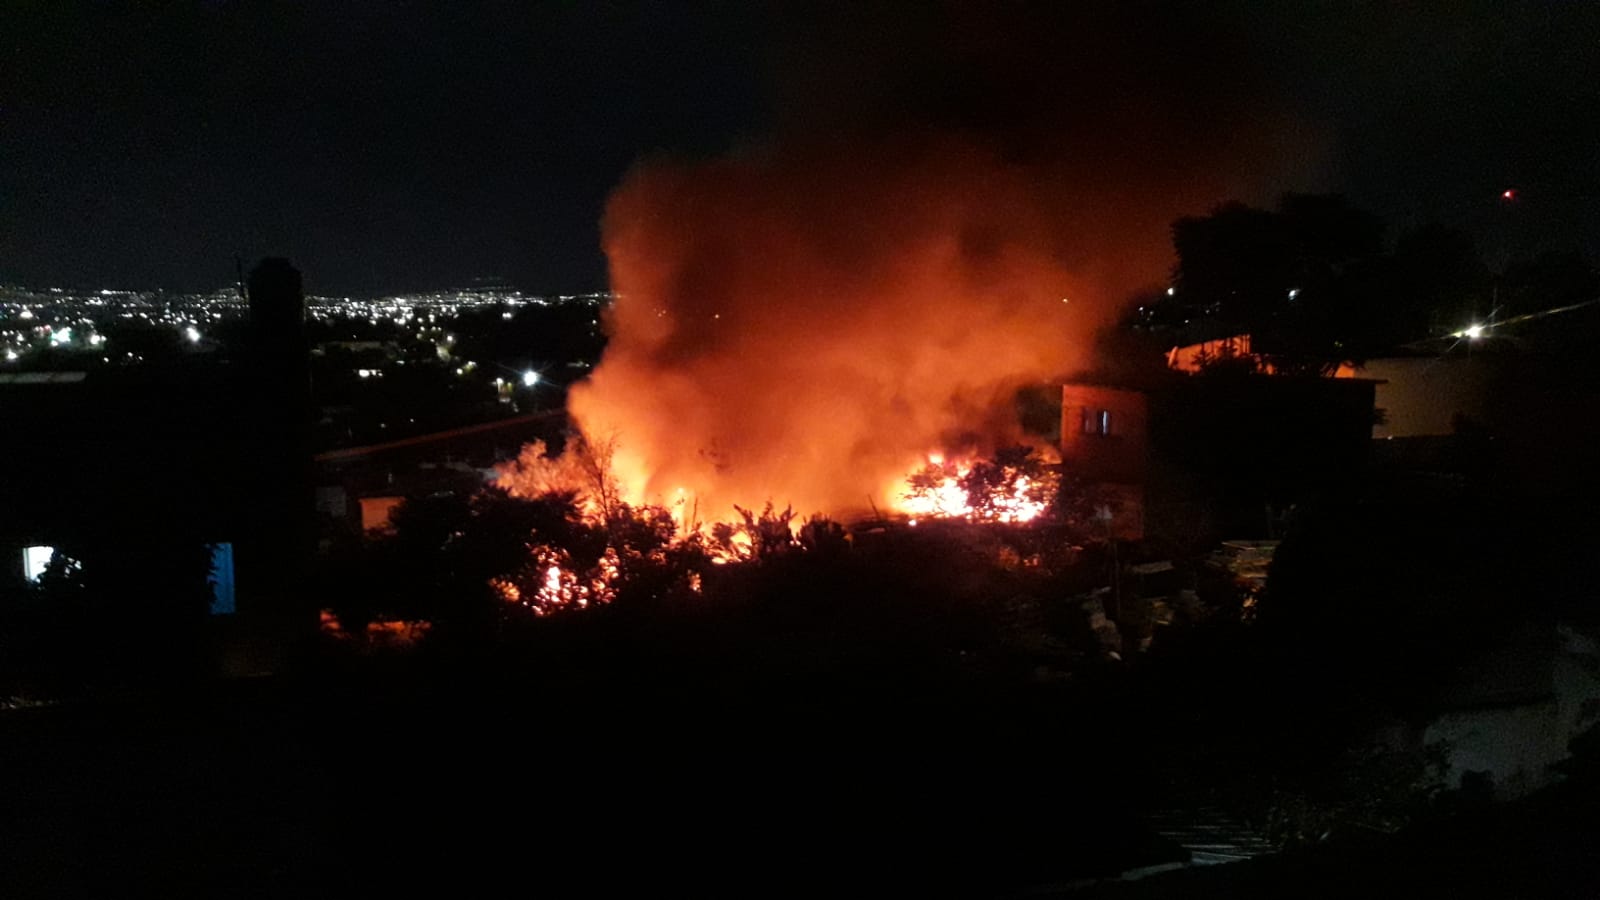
x,y
807,319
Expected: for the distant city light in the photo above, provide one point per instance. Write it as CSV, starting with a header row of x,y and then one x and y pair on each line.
x,y
530,378
65,318
1171,291
1293,293
1472,332
366,373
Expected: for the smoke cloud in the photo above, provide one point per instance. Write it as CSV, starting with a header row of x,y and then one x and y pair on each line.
x,y
946,209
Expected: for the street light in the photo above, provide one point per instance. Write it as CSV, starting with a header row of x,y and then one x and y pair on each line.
x,y
530,378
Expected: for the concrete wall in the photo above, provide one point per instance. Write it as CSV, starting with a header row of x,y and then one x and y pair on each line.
x,y
1422,396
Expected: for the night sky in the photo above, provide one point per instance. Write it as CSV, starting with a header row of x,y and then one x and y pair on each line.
x,y
406,146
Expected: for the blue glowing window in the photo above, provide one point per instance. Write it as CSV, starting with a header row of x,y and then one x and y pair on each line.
x,y
221,579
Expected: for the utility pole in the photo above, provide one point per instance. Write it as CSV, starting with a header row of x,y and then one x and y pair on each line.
x,y
1103,513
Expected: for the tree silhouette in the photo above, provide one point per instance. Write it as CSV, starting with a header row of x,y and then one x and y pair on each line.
x,y
1303,280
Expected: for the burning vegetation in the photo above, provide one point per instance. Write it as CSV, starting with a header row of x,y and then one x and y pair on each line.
x,y
607,546
1015,486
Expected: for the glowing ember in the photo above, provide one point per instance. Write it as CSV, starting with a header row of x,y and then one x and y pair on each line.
x,y
558,589
389,633
553,583
507,590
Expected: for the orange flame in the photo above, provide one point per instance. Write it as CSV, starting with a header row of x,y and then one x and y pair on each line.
x,y
937,491
794,329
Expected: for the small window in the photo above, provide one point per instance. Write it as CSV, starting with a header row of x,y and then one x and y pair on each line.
x,y
221,579
1096,421
35,560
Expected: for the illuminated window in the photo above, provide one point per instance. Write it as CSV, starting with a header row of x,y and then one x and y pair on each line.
x,y
34,560
221,579
1096,421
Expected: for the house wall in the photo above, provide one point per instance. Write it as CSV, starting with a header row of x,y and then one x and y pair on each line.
x,y
1118,456
377,511
1105,441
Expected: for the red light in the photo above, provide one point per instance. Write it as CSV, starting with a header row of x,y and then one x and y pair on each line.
x,y
1508,195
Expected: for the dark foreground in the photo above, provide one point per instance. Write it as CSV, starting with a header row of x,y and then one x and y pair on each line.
x,y
661,777
589,782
